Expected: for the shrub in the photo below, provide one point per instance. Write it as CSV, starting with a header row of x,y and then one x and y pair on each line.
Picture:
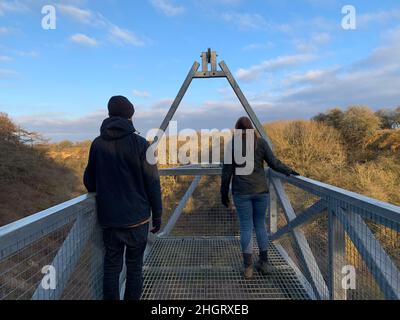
x,y
8,130
390,119
358,125
333,118
312,148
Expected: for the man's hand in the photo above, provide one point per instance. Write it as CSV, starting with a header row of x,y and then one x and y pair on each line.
x,y
225,200
156,226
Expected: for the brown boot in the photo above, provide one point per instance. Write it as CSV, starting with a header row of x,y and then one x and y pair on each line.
x,y
248,266
262,264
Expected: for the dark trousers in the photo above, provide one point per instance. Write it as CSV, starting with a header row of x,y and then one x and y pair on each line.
x,y
133,242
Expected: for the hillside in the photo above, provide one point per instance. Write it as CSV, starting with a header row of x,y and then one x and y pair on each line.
x,y
30,180
319,152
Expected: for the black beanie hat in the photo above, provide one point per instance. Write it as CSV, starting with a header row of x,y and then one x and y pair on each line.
x,y
119,106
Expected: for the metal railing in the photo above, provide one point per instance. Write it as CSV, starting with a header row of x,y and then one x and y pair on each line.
x,y
343,245
66,238
322,232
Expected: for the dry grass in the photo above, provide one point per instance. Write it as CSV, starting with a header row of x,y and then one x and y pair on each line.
x,y
378,179
30,182
318,151
385,140
312,148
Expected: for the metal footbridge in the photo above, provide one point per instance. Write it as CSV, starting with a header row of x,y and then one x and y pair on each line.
x,y
325,242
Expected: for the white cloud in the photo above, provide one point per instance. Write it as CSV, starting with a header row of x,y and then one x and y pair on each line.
x,y
317,76
124,36
245,20
12,6
83,39
207,3
314,42
372,81
305,26
224,90
5,59
378,17
30,54
229,2
6,73
392,36
4,31
257,46
385,55
141,94
168,8
256,21
377,88
80,15
115,33
205,116
59,127
255,72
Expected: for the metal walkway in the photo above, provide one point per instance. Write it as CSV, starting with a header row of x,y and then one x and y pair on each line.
x,y
210,268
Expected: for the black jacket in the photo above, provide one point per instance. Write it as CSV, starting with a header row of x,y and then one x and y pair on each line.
x,y
127,186
256,182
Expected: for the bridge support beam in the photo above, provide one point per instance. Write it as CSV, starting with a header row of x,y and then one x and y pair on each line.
x,y
305,252
337,254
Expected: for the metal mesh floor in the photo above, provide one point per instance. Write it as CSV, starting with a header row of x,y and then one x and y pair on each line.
x,y
208,268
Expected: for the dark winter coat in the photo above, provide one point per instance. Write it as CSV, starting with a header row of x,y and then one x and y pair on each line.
x,y
256,182
127,186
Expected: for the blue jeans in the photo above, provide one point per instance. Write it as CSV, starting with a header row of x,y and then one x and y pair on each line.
x,y
133,242
252,212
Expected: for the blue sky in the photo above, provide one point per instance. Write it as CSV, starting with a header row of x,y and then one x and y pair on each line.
x,y
292,59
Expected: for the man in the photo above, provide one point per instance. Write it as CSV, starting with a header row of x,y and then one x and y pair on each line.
x,y
128,191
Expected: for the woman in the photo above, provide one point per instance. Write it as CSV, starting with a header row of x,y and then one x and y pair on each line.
x,y
250,195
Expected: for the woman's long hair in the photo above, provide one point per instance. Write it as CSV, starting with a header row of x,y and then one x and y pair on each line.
x,y
244,123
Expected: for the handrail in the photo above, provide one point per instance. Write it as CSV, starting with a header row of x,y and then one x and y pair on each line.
x,y
193,170
27,228
41,216
385,210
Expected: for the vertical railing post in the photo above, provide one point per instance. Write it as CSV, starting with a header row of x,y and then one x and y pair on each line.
x,y
337,253
272,207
